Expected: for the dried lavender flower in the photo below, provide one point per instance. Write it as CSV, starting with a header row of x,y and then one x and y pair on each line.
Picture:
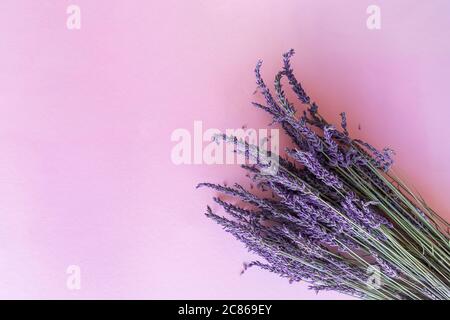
x,y
336,210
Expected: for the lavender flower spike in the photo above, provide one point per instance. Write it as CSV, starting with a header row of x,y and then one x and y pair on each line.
x,y
317,169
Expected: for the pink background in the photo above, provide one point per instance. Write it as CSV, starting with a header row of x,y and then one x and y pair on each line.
x,y
86,116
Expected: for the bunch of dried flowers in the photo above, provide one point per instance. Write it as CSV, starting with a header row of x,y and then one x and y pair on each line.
x,y
341,219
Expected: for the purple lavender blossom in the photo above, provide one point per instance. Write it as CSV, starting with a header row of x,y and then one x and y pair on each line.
x,y
328,216
313,165
296,87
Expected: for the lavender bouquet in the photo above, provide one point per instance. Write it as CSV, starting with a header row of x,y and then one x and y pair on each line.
x,y
338,218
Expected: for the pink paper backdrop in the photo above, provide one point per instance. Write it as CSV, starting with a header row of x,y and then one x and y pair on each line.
x,y
86,116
